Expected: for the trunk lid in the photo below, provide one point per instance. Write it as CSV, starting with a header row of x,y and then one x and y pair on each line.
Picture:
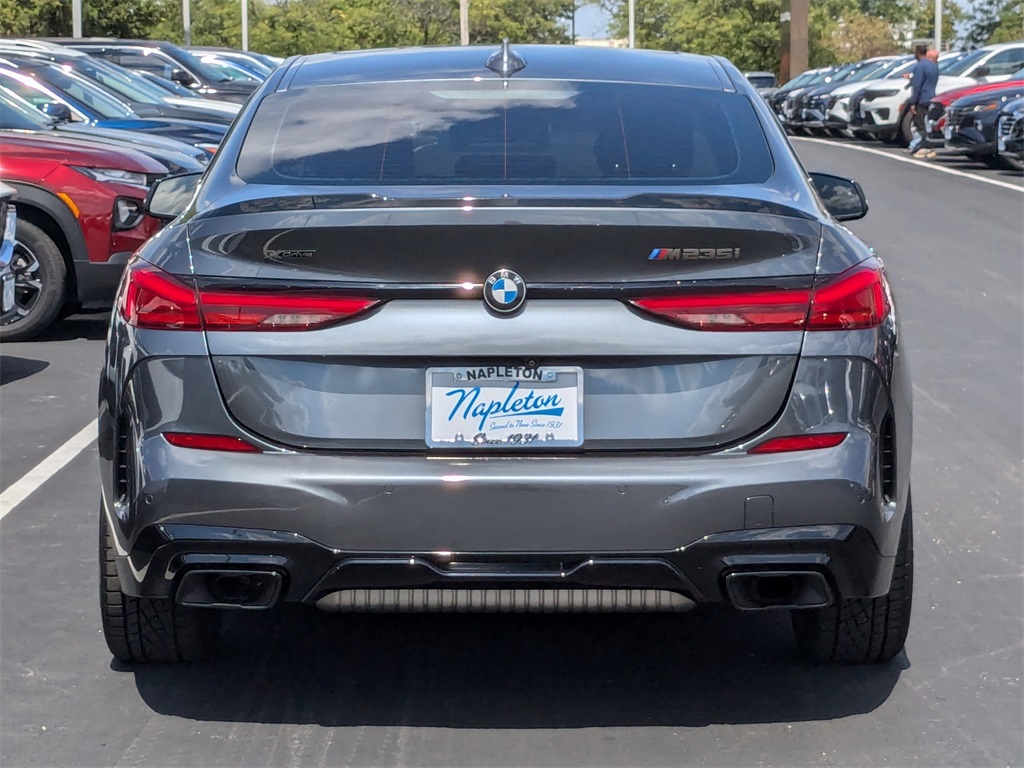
x,y
640,383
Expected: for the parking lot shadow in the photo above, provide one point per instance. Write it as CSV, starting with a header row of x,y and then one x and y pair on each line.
x,y
16,368
298,666
91,326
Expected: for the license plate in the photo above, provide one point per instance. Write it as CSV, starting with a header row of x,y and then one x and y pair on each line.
x,y
948,132
8,300
490,406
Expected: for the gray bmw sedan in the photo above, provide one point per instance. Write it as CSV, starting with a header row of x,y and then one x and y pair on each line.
x,y
505,329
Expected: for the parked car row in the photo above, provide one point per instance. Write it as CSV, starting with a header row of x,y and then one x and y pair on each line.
x,y
975,112
87,126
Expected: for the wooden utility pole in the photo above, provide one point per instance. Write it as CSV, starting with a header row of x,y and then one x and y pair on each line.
x,y
793,32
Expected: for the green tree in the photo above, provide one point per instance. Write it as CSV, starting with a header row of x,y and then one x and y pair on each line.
x,y
101,18
996,21
745,31
861,37
1011,24
522,21
922,15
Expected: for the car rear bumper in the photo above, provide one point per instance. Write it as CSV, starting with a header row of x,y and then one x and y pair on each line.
x,y
620,522
845,555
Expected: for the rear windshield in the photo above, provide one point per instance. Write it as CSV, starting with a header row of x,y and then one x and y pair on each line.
x,y
519,132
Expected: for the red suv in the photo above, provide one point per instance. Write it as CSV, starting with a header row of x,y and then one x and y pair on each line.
x,y
80,216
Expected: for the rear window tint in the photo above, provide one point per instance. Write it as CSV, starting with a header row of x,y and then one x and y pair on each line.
x,y
487,132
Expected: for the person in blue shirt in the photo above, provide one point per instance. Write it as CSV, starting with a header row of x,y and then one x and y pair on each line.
x,y
922,90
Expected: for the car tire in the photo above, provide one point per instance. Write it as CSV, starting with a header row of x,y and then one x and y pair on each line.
x,y
905,134
40,282
863,630
142,629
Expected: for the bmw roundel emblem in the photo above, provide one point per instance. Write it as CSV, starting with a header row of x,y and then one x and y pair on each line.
x,y
504,291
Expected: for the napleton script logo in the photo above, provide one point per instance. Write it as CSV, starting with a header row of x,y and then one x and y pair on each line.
x,y
695,254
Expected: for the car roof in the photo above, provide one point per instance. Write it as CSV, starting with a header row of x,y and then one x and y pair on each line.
x,y
557,62
114,42
29,44
41,56
1003,46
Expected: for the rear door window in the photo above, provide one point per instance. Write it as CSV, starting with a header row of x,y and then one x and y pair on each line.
x,y
487,131
1006,62
154,63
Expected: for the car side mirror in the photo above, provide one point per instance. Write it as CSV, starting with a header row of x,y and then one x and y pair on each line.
x,y
981,71
843,198
181,77
59,112
171,195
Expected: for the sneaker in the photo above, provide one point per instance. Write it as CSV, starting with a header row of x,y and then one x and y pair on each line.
x,y
922,154
932,153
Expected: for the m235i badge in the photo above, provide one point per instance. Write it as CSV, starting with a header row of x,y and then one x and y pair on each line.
x,y
693,254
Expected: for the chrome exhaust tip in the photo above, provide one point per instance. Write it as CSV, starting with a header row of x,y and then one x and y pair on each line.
x,y
765,590
247,590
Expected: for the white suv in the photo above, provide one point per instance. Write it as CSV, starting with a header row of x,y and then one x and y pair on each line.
x,y
883,108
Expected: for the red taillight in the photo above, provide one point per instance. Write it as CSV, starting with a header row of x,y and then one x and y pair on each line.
x,y
236,311
210,442
154,299
855,299
799,443
747,311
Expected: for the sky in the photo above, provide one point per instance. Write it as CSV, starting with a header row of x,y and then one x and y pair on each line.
x,y
592,22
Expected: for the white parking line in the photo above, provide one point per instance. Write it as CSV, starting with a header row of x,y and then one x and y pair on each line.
x,y
913,161
47,468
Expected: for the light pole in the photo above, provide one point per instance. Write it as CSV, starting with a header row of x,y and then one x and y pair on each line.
x,y
245,25
76,18
632,23
938,25
186,20
464,21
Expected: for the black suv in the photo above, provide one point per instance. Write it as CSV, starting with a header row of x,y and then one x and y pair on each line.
x,y
165,60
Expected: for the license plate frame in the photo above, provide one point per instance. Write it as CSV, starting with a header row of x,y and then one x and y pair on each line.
x,y
514,425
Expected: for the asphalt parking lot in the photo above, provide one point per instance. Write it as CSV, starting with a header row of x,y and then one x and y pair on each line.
x,y
300,688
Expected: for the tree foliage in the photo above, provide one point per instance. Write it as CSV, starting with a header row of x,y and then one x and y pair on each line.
x,y
862,37
745,31
996,21
288,27
100,18
1011,24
